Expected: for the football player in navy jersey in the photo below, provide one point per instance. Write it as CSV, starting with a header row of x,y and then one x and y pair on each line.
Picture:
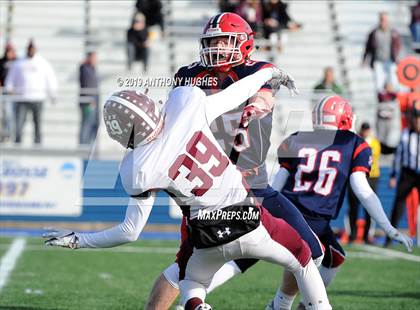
x,y
226,46
315,168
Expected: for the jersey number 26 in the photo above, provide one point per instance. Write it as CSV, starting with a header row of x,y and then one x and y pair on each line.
x,y
326,173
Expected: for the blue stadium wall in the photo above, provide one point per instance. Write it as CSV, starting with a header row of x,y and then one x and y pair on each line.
x,y
101,170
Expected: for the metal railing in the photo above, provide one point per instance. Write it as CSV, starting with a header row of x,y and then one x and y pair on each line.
x,y
8,121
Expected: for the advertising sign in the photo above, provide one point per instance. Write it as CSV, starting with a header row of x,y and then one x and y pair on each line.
x,y
47,186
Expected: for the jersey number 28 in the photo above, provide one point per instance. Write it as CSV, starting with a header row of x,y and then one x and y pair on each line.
x,y
326,173
200,149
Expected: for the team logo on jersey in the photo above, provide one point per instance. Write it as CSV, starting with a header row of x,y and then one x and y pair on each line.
x,y
228,215
226,232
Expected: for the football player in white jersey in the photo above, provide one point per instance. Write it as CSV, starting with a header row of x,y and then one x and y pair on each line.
x,y
176,151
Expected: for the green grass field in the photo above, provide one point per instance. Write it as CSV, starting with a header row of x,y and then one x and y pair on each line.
x,y
121,278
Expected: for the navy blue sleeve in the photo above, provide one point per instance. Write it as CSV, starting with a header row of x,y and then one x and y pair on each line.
x,y
362,156
285,154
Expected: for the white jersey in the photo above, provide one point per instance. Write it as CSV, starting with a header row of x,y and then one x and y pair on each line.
x,y
185,159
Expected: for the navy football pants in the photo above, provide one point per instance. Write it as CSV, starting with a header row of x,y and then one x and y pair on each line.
x,y
334,253
281,207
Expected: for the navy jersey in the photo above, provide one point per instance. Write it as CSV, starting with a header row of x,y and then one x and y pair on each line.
x,y
320,163
224,128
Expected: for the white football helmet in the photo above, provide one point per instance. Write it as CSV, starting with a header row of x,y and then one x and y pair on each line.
x,y
132,118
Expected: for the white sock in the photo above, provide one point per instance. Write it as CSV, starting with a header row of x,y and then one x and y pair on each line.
x,y
190,289
283,301
328,274
226,272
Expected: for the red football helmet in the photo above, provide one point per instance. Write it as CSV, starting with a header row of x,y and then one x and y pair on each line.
x,y
333,112
237,45
132,118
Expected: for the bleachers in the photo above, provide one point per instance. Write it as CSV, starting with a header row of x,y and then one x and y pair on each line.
x,y
58,33
187,20
305,56
3,22
356,19
109,21
58,30
184,21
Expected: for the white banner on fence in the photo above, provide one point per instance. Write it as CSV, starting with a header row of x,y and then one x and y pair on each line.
x,y
35,185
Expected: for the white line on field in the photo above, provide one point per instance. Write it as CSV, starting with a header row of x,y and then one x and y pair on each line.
x,y
8,261
390,253
170,250
369,252
368,255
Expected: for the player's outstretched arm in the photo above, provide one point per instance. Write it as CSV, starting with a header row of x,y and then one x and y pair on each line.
x,y
242,90
237,93
373,206
136,216
262,102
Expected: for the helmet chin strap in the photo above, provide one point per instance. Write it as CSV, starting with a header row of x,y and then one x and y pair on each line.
x,y
254,49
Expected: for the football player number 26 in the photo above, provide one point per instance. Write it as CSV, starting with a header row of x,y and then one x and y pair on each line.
x,y
200,150
326,174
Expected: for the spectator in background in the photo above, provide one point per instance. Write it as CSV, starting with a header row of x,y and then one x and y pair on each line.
x,y
276,20
137,42
406,164
88,100
327,85
152,10
366,133
5,62
228,5
251,11
6,106
31,80
383,47
388,124
415,26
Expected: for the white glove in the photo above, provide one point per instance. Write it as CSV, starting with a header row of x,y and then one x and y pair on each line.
x,y
281,77
61,237
400,237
